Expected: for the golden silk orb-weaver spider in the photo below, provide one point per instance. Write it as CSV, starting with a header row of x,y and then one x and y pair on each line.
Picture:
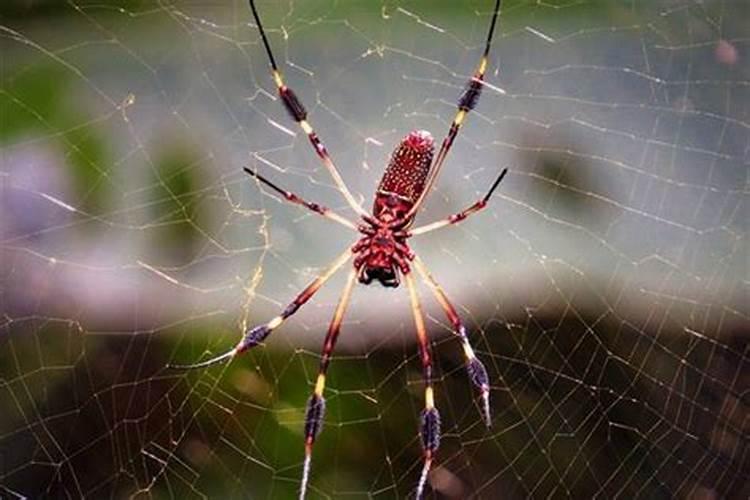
x,y
382,253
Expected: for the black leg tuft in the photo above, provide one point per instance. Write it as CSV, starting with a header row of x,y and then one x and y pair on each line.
x,y
430,429
316,409
470,96
253,337
293,105
478,373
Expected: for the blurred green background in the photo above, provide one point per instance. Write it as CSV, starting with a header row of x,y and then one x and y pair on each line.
x,y
605,287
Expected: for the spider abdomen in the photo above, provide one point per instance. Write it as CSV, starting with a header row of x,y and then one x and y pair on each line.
x,y
405,176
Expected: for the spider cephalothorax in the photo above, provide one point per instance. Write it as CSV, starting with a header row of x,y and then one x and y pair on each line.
x,y
381,253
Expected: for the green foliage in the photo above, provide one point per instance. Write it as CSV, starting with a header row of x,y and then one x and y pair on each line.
x,y
37,102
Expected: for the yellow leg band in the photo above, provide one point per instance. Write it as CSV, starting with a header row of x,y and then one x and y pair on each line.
x,y
482,66
460,117
468,351
320,384
275,322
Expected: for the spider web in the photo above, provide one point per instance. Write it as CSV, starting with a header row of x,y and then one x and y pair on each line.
x,y
605,287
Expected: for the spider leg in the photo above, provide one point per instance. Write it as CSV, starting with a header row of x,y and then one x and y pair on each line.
x,y
429,428
316,405
455,218
256,335
289,196
297,111
467,102
475,368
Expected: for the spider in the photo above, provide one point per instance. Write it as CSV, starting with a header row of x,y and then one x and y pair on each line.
x,y
381,254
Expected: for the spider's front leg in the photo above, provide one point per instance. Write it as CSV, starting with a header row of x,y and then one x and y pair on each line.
x,y
466,103
298,113
429,428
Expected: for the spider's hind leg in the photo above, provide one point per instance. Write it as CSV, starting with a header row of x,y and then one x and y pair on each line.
x,y
475,368
316,405
429,429
257,334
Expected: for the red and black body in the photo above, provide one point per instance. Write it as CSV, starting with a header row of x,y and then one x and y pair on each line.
x,y
383,251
